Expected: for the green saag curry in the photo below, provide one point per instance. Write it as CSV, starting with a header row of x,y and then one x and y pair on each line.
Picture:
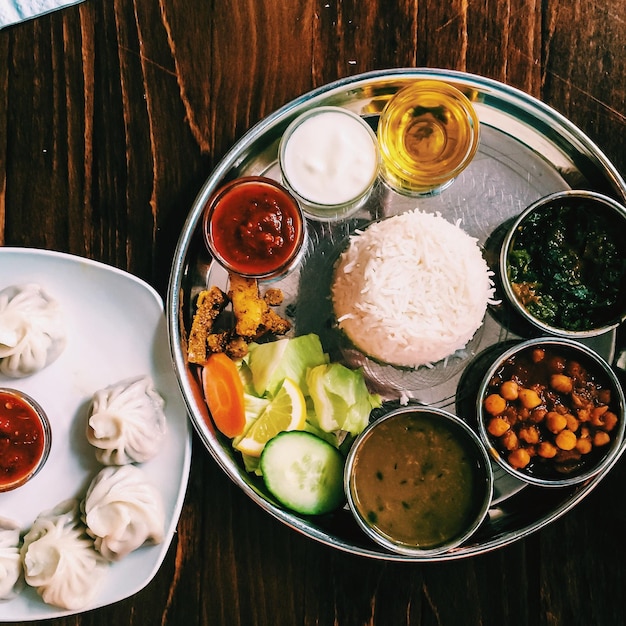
x,y
567,266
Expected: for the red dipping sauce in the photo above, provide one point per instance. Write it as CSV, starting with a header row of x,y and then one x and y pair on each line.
x,y
25,438
254,227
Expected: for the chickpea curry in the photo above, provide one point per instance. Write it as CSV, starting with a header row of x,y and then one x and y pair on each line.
x,y
567,266
548,414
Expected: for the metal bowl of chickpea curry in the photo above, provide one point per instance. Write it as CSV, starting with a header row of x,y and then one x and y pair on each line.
x,y
551,412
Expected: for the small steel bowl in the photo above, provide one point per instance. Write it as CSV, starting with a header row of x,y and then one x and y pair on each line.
x,y
418,481
18,443
571,466
567,209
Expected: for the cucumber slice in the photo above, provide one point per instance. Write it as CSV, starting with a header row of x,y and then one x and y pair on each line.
x,y
303,472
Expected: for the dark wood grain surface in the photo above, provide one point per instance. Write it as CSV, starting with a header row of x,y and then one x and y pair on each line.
x,y
113,113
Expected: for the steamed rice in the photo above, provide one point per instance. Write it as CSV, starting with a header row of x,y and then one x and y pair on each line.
x,y
412,289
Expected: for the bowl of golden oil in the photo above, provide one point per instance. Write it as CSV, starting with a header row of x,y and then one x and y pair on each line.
x,y
428,134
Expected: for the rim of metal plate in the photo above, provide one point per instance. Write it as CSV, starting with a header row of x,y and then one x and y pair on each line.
x,y
513,112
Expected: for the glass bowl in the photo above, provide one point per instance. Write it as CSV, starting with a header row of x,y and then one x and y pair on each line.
x,y
428,134
329,159
254,227
25,438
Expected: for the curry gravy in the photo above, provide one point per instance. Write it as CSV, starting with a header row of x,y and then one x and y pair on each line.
x,y
415,480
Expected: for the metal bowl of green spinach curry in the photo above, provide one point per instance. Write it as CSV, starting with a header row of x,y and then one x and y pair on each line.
x,y
563,264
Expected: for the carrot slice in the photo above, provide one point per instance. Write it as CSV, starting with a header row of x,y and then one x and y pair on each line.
x,y
223,392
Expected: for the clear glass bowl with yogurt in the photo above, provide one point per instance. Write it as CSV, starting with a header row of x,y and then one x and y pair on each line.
x,y
329,159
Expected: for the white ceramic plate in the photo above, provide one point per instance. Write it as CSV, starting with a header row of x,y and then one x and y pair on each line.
x,y
116,329
14,11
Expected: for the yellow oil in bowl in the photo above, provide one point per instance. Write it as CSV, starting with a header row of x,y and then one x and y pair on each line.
x,y
428,134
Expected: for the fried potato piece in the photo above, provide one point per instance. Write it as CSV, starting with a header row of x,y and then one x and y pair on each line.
x,y
209,305
228,342
273,296
237,347
253,319
253,315
217,342
248,306
275,324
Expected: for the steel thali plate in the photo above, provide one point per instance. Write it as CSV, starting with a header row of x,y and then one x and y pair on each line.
x,y
527,150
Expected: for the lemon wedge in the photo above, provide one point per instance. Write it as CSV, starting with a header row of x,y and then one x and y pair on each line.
x,y
286,411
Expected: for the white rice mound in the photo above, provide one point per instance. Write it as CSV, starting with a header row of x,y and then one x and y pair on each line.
x,y
411,289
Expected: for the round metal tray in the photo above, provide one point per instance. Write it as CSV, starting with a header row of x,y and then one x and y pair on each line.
x,y
527,150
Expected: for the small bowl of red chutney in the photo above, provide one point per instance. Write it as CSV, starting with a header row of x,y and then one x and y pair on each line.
x,y
25,438
254,227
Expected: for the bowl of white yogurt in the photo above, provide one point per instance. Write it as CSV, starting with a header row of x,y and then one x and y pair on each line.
x,y
329,159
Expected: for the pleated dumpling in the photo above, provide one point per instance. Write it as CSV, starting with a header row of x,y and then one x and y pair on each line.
x,y
127,423
60,559
32,330
122,511
10,561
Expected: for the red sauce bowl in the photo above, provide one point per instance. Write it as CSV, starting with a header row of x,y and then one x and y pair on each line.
x,y
25,438
254,227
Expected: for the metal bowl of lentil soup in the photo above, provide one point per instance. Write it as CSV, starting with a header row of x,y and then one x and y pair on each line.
x,y
418,481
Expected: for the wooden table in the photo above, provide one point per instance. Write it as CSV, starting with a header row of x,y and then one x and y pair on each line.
x,y
113,113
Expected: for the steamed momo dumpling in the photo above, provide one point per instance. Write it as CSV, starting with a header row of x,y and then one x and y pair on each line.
x,y
60,559
127,423
123,511
32,330
10,561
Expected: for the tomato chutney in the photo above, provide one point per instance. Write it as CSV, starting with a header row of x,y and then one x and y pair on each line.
x,y
25,438
254,227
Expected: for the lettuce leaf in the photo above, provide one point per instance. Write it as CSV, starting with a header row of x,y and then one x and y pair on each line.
x,y
270,363
341,400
